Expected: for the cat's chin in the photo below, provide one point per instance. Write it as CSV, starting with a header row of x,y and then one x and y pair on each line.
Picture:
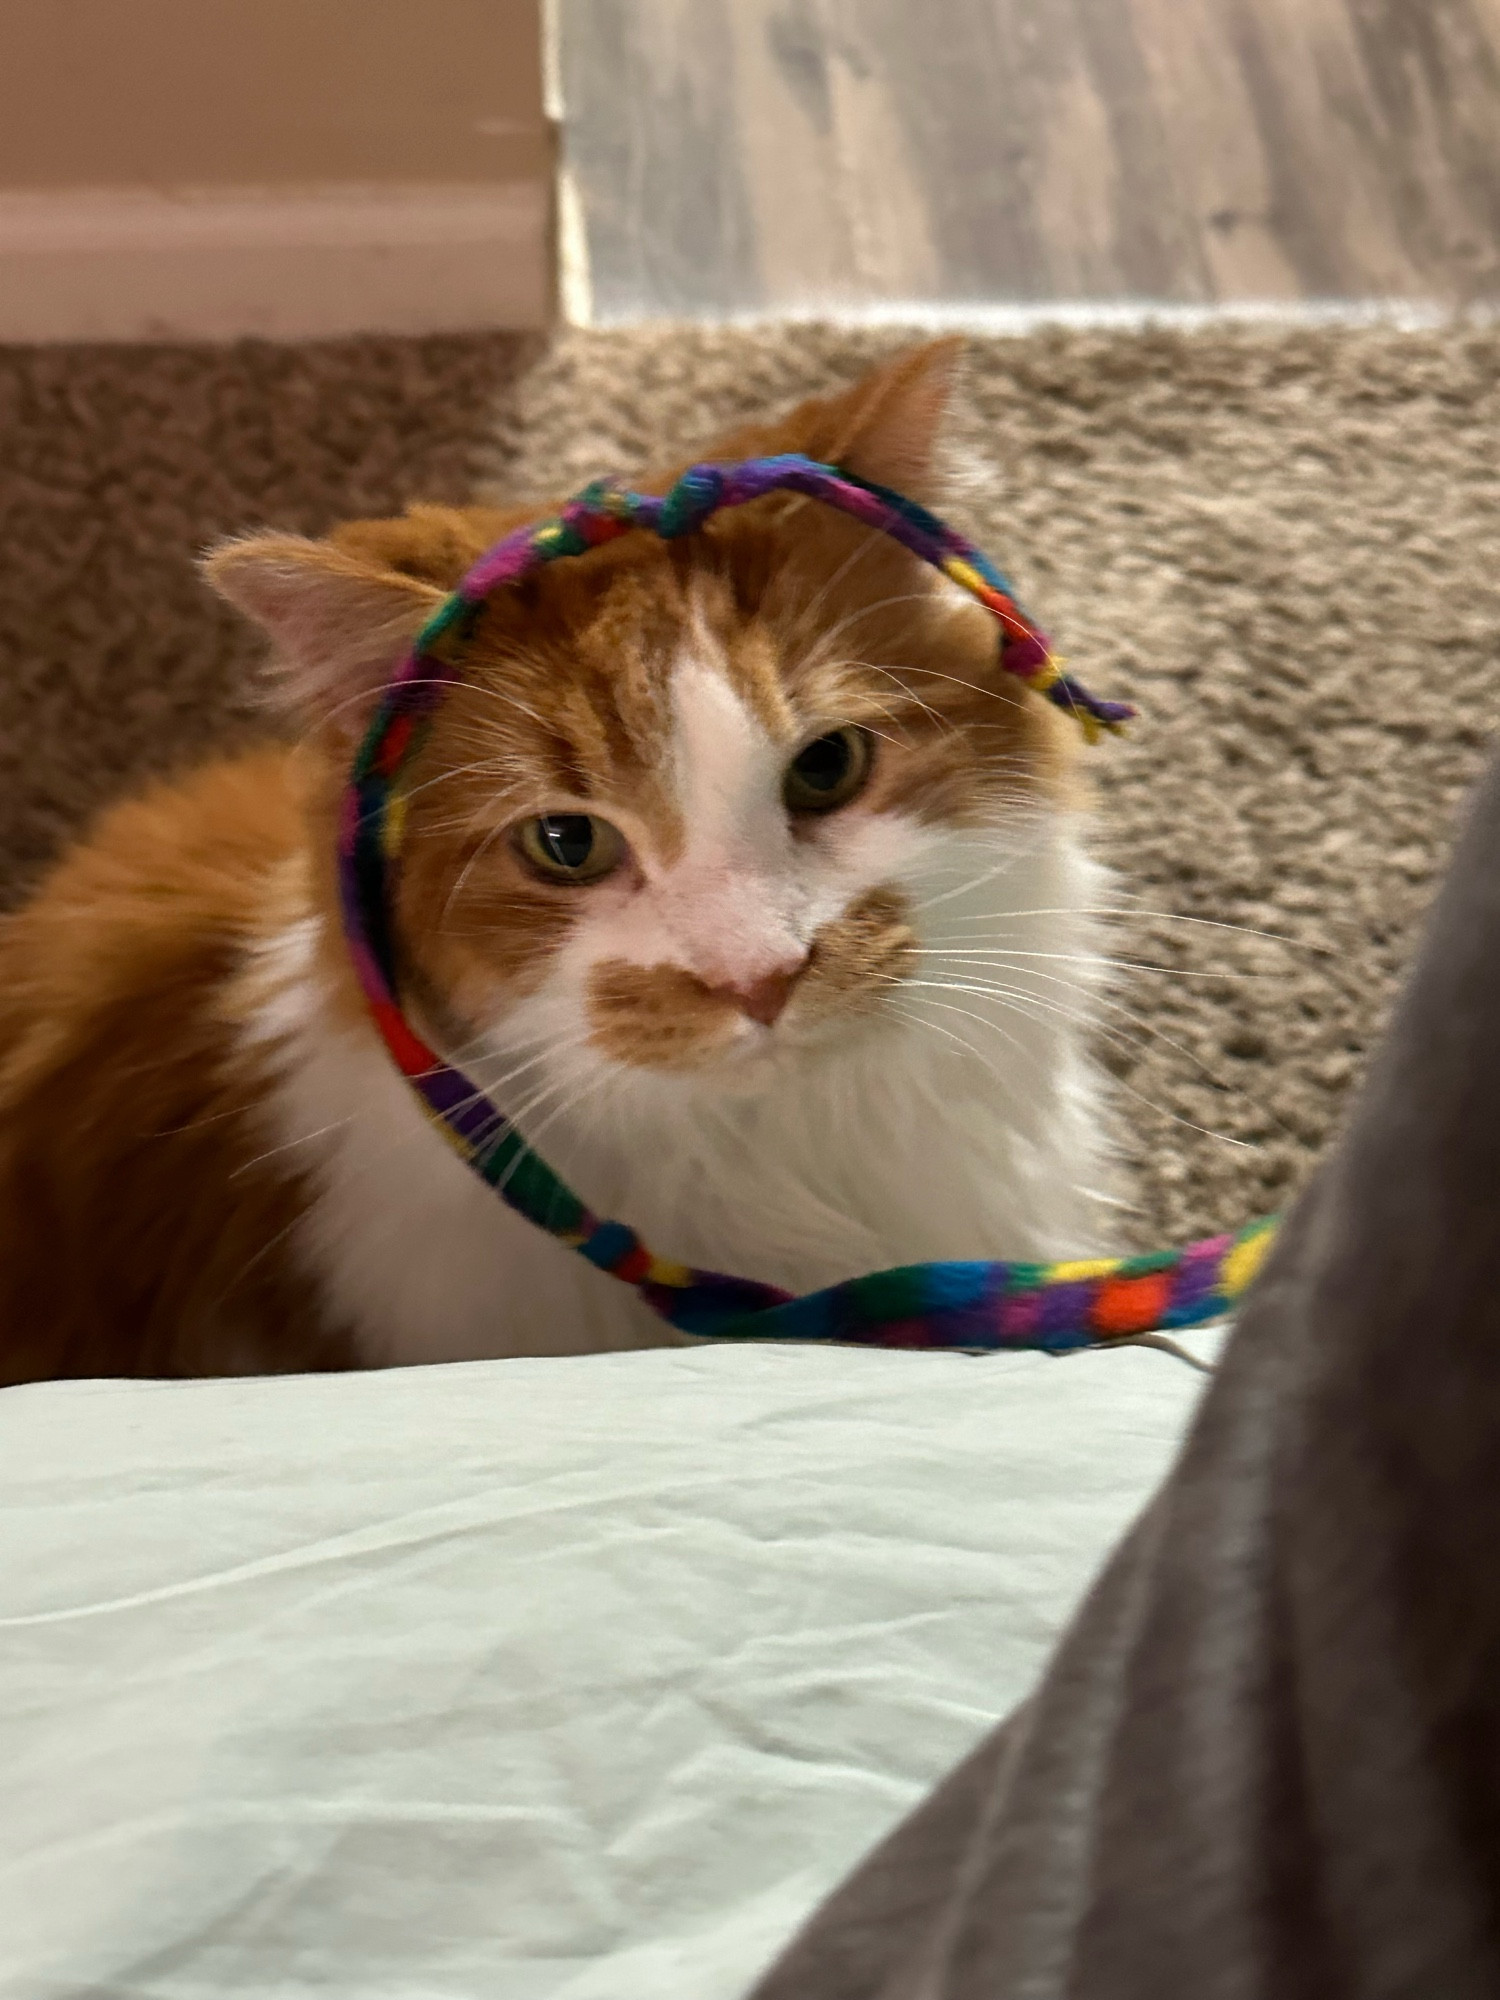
x,y
759,1060
748,1068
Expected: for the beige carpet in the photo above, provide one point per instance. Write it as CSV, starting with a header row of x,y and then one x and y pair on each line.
x,y
1285,546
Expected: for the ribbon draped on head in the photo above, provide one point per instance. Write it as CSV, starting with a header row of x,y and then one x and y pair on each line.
x,y
972,1305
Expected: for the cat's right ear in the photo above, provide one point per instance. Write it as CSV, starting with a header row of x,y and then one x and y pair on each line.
x,y
340,625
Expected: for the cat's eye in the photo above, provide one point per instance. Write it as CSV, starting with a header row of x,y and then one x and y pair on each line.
x,y
828,772
570,847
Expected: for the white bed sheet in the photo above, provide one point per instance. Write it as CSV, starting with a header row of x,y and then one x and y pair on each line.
x,y
532,1680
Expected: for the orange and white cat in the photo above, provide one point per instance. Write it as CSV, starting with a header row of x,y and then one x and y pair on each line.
x,y
736,871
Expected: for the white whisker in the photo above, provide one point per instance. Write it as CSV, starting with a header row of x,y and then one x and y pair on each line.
x,y
1005,955
302,1139
1133,1035
1014,997
1145,916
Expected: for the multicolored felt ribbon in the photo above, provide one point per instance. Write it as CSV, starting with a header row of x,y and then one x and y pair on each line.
x,y
969,1305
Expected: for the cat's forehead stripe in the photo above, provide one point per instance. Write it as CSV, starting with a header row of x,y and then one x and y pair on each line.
x,y
721,749
590,708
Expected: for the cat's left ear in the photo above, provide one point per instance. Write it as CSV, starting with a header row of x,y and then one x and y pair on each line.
x,y
340,625
888,427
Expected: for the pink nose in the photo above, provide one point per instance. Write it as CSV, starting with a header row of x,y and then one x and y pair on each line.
x,y
765,998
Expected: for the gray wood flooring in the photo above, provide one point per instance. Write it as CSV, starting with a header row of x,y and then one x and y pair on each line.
x,y
741,155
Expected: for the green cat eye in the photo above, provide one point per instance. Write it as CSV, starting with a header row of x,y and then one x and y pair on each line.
x,y
828,772
570,847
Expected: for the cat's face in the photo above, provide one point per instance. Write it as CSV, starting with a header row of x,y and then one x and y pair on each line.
x,y
681,810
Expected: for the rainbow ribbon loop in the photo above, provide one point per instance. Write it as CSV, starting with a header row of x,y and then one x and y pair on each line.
x,y
970,1305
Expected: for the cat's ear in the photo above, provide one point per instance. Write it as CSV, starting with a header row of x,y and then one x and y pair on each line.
x,y
888,427
340,624
434,544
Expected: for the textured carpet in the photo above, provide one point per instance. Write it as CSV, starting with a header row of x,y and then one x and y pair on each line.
x,y
1284,545
117,465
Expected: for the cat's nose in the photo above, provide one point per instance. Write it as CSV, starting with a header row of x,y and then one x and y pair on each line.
x,y
763,999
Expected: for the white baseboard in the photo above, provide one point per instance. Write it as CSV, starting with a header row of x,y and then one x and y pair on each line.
x,y
283,263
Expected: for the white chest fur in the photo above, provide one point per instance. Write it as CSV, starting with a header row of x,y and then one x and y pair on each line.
x,y
966,1127
412,1253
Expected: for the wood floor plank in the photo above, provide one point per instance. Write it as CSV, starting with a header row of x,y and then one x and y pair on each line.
x,y
651,125
786,135
744,154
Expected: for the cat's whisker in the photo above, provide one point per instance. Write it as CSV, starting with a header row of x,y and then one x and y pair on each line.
x,y
530,1139
483,1042
1013,997
563,1110
1049,1008
817,652
508,700
331,712
489,1086
917,1020
1041,1008
288,1145
869,666
866,704
1087,1014
881,736
481,1052
1008,695
273,1243
516,1118
481,767
1134,1034
1136,914
870,541
993,873
190,1124
1031,1056
1003,955
484,1088
951,986
467,870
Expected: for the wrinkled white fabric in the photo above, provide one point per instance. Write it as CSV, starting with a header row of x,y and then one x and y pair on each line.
x,y
529,1680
